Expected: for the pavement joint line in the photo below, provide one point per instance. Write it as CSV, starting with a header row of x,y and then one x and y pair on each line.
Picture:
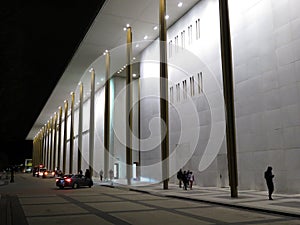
x,y
174,211
276,212
97,212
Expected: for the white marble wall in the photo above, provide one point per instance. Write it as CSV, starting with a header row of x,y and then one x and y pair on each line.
x,y
266,55
266,46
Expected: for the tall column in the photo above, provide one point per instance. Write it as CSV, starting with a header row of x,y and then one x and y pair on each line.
x,y
72,133
107,116
48,144
92,124
79,153
44,146
51,144
54,142
65,137
164,109
129,107
59,138
228,96
139,129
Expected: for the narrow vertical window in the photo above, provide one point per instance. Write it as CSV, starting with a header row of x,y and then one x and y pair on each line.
x,y
178,92
192,86
196,29
191,34
176,44
171,95
183,39
200,83
184,89
170,48
198,24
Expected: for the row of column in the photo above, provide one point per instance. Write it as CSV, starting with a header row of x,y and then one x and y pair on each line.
x,y
46,144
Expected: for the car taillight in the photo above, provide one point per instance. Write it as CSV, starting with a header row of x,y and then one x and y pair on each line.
x,y
53,173
68,180
46,173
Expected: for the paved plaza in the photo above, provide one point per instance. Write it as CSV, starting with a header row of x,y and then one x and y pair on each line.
x,y
35,201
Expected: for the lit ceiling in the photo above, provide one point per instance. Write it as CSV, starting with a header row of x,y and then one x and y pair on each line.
x,y
106,33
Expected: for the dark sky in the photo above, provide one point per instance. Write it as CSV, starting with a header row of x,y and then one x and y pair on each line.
x,y
37,41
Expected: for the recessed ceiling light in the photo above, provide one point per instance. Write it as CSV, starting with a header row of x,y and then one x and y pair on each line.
x,y
137,45
124,28
102,79
134,75
155,28
167,17
98,83
180,4
127,25
134,58
146,37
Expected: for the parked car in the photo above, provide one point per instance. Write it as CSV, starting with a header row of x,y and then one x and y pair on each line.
x,y
73,181
48,174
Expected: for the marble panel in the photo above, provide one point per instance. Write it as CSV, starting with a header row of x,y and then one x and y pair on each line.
x,y
289,95
285,54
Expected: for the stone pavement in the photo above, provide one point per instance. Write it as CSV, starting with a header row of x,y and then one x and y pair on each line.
x,y
283,204
35,201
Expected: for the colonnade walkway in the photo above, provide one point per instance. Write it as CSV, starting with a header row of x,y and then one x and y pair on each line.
x,y
283,204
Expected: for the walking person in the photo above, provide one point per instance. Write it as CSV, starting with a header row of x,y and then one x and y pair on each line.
x,y
269,179
188,176
185,180
192,179
111,174
101,175
179,177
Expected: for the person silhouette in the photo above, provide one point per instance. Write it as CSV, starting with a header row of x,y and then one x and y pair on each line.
x,y
101,175
269,179
179,177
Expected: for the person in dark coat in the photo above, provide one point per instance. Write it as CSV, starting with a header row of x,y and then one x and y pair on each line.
x,y
179,177
269,179
87,173
185,180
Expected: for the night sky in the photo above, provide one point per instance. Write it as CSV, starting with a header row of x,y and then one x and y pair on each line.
x,y
37,41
